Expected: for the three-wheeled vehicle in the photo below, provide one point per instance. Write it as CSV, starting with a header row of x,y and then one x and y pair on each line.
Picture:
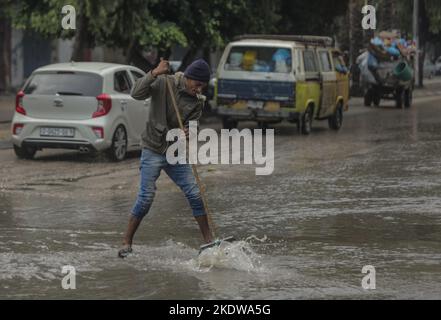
x,y
390,79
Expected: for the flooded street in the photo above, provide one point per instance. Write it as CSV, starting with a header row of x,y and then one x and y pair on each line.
x,y
336,202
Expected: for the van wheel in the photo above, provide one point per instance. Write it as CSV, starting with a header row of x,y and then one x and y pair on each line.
x,y
229,123
24,152
307,121
336,120
118,150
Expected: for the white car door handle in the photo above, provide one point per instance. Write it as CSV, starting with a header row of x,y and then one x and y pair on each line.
x,y
123,102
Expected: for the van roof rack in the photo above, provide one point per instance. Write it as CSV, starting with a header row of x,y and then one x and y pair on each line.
x,y
313,40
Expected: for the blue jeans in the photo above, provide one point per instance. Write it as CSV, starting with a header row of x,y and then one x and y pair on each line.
x,y
151,165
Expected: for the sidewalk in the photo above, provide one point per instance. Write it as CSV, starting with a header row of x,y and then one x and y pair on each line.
x,y
7,108
5,136
432,87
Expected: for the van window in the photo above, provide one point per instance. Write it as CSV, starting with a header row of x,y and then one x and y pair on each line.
x,y
310,61
122,82
325,62
339,63
259,59
65,83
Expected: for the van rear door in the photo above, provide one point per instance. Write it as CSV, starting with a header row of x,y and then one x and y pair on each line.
x,y
255,75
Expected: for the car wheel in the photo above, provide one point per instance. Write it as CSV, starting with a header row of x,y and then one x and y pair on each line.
x,y
118,150
229,123
24,152
336,120
307,121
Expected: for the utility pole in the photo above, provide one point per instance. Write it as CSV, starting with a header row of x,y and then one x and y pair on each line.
x,y
416,37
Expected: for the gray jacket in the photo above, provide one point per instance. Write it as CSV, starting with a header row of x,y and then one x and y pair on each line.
x,y
162,117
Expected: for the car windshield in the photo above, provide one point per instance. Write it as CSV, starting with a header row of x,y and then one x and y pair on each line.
x,y
259,59
65,83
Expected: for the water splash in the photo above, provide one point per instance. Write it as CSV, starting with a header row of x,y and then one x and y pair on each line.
x,y
238,255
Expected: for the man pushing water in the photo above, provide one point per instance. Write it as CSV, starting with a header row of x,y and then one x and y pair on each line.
x,y
176,105
187,88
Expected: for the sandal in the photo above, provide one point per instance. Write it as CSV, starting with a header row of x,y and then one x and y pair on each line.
x,y
124,252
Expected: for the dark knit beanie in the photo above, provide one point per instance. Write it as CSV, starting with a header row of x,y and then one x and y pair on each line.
x,y
199,70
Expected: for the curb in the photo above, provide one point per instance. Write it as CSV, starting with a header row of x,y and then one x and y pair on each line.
x,y
5,145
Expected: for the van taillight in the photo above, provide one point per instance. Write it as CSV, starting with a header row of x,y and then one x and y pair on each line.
x,y
104,105
19,103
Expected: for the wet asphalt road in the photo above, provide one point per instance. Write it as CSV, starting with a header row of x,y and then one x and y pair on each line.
x,y
367,195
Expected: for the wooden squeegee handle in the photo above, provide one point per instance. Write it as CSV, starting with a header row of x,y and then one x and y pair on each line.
x,y
193,166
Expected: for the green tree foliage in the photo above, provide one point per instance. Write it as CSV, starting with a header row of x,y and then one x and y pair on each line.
x,y
211,24
433,8
313,17
136,25
40,16
113,23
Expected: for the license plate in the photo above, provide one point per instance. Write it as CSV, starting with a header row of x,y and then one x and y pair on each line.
x,y
57,132
255,104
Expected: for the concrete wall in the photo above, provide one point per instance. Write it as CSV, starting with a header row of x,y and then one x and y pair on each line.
x,y
29,51
64,50
17,58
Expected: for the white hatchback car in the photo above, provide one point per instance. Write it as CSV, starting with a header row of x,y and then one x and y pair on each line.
x,y
80,105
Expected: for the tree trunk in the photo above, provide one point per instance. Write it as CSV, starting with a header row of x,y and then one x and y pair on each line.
x,y
424,31
135,57
385,15
356,42
206,56
188,58
355,29
5,55
164,53
83,37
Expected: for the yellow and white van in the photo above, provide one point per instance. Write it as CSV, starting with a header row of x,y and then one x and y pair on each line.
x,y
269,79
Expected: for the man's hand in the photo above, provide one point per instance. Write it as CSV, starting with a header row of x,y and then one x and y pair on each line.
x,y
162,68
